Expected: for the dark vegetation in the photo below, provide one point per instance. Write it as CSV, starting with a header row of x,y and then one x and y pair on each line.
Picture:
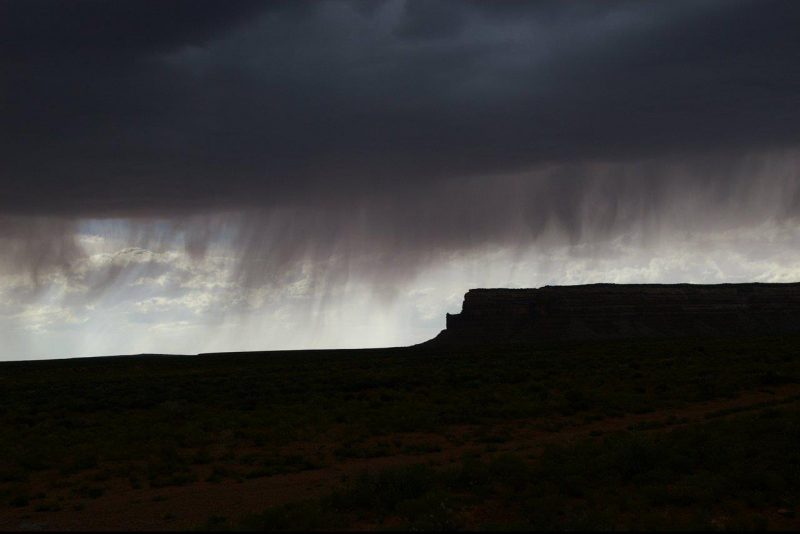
x,y
707,477
73,431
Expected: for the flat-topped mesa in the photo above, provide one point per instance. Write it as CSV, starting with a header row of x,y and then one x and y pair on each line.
x,y
605,311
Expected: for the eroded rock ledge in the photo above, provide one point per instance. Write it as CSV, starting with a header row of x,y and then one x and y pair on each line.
x,y
604,311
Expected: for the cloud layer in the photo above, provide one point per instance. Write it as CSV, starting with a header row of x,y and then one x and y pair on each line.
x,y
265,148
123,108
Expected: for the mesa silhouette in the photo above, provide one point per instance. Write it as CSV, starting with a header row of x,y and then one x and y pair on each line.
x,y
612,311
503,422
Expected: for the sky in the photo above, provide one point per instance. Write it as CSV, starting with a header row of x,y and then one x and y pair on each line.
x,y
190,176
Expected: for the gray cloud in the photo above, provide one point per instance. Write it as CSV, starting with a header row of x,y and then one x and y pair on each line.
x,y
123,108
371,138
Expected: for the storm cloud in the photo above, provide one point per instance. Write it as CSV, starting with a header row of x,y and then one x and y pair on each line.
x,y
130,107
371,140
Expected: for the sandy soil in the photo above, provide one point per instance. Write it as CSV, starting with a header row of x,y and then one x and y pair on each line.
x,y
191,506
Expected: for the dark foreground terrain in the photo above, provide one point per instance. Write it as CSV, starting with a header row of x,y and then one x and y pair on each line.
x,y
613,434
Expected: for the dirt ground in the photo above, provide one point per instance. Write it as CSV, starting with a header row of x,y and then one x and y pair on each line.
x,y
121,507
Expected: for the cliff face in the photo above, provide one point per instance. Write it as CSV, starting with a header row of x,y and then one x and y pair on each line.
x,y
601,311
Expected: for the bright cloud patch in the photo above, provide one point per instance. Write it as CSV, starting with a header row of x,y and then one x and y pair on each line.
x,y
133,300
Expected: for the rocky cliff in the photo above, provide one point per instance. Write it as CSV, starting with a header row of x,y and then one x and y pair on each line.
x,y
600,311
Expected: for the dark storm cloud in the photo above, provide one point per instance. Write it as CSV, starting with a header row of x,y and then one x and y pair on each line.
x,y
36,245
42,30
376,137
145,108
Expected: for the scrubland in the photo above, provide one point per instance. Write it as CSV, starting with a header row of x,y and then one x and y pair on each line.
x,y
637,434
